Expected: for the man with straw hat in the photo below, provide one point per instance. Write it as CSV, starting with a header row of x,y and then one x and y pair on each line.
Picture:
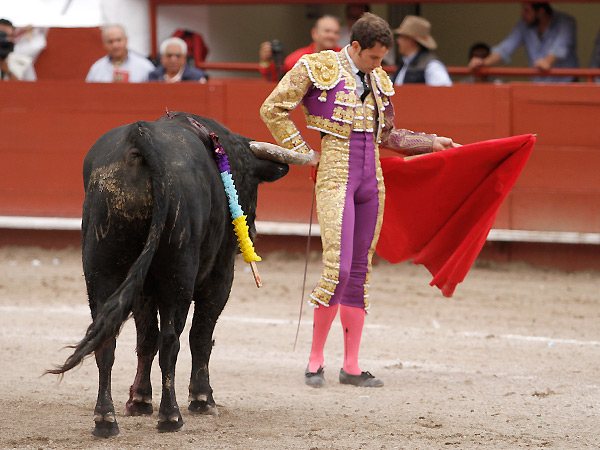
x,y
419,64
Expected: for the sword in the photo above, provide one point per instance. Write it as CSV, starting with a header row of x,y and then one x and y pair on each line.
x,y
312,206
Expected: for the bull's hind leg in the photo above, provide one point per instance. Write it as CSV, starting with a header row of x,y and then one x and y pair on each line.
x,y
104,412
173,313
99,288
146,325
208,305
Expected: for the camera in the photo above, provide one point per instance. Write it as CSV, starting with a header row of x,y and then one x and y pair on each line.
x,y
6,46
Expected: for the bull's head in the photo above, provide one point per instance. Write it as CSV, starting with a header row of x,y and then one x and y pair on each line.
x,y
262,150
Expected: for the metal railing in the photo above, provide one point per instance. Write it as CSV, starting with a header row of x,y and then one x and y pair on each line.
x,y
582,74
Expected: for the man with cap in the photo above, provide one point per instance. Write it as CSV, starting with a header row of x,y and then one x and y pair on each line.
x,y
419,64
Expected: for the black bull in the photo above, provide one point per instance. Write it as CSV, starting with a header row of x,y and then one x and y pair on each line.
x,y
157,234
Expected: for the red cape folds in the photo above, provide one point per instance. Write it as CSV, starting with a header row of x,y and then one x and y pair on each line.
x,y
440,207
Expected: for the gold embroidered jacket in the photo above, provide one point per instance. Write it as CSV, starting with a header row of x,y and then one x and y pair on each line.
x,y
325,86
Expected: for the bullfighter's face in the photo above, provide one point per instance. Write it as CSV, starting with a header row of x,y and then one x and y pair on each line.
x,y
367,59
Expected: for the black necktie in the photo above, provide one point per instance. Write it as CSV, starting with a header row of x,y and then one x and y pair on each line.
x,y
366,87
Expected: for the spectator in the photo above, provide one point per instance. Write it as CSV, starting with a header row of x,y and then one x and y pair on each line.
x,y
325,35
19,50
120,65
480,50
418,64
173,64
549,38
595,61
353,13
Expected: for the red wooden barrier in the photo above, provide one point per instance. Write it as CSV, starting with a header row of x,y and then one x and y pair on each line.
x,y
47,127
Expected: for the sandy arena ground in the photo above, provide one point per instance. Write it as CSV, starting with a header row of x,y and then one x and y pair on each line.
x,y
512,361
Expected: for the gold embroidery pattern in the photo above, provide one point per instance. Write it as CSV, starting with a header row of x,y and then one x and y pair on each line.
x,y
346,98
343,114
323,69
340,130
276,108
406,142
381,198
383,81
332,181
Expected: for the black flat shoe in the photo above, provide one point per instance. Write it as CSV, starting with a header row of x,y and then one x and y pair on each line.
x,y
365,379
315,379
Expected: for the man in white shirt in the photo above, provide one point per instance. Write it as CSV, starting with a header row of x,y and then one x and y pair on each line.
x,y
419,64
18,51
120,65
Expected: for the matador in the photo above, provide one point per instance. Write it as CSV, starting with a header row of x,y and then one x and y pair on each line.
x,y
346,97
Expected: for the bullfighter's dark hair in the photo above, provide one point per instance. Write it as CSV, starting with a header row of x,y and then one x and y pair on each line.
x,y
370,30
6,22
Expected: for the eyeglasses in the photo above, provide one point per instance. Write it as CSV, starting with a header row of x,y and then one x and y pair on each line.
x,y
172,55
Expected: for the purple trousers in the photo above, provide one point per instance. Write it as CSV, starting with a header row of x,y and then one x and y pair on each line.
x,y
358,221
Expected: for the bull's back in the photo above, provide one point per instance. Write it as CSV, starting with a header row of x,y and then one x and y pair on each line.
x,y
119,197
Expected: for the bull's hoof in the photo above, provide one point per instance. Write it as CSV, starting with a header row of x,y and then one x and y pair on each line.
x,y
170,425
133,408
106,429
203,407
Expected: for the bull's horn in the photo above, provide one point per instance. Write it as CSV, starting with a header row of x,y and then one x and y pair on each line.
x,y
272,152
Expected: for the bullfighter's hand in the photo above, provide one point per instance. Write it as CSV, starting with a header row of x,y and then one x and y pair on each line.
x,y
315,161
314,166
443,143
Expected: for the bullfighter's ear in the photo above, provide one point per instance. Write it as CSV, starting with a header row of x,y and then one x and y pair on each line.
x,y
272,152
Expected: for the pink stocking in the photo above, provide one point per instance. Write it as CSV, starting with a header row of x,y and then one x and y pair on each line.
x,y
353,319
323,316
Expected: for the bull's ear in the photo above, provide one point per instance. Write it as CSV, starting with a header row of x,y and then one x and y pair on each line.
x,y
270,171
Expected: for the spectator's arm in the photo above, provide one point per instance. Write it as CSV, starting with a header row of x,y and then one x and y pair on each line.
x,y
544,64
507,47
436,74
492,59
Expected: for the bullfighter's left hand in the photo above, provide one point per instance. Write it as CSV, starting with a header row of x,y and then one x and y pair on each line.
x,y
443,143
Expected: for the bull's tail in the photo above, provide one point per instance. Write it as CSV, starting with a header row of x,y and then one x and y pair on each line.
x,y
118,306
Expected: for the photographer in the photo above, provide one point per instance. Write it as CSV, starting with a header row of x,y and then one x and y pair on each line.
x,y
325,35
17,53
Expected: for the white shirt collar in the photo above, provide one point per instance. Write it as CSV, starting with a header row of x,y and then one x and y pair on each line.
x,y
352,65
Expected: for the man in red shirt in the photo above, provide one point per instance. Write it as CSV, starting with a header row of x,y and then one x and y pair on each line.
x,y
325,35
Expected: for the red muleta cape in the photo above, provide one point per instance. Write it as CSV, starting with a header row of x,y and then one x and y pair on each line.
x,y
440,207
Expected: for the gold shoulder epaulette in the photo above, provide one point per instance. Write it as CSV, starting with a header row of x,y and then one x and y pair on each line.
x,y
383,81
323,69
